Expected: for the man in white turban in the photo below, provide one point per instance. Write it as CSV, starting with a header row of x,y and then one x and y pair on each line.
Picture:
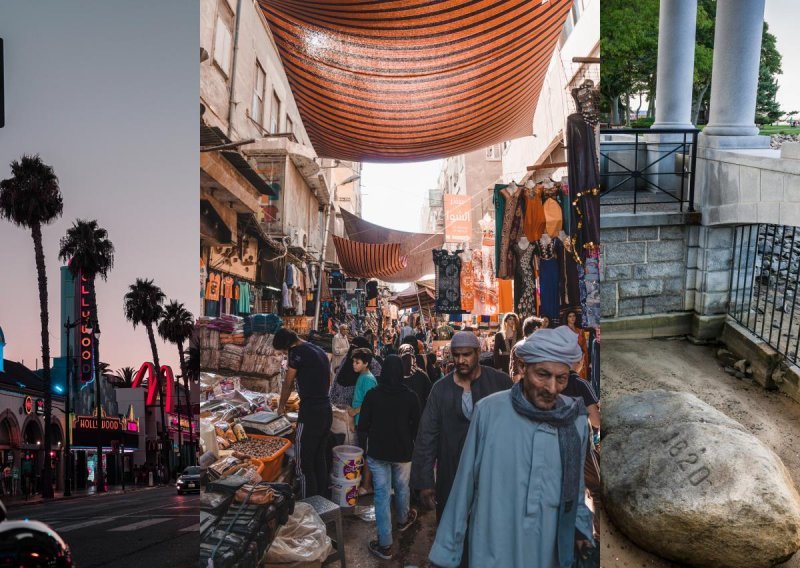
x,y
518,495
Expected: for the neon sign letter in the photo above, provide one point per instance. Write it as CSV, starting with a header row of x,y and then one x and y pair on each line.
x,y
152,383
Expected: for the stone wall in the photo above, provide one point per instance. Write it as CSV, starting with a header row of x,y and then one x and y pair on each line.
x,y
644,269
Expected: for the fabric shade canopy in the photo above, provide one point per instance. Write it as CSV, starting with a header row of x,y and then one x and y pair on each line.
x,y
368,260
419,293
405,80
416,247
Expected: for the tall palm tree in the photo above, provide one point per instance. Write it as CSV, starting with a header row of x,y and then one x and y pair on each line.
x,y
126,374
192,374
144,304
31,198
90,254
177,327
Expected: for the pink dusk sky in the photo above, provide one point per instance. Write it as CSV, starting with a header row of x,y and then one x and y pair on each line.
x,y
106,93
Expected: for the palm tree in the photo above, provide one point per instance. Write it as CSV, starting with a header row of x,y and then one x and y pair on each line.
x,y
126,374
31,198
144,304
91,254
177,327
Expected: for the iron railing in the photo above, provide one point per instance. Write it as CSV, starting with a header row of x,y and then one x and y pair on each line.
x,y
650,168
763,285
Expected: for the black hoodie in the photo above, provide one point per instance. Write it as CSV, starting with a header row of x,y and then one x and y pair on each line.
x,y
390,415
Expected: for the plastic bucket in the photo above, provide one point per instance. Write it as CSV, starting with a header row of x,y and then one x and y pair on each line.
x,y
344,492
347,462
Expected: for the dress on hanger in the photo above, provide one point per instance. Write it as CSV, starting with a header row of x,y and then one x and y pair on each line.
x,y
448,282
534,223
467,286
549,282
512,226
554,221
526,305
584,182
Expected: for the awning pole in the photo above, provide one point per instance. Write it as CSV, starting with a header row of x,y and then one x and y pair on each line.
x,y
419,303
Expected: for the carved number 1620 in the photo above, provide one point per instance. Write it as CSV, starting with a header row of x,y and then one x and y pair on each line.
x,y
696,477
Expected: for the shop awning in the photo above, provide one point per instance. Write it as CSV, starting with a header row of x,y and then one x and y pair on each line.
x,y
419,293
368,260
404,80
416,247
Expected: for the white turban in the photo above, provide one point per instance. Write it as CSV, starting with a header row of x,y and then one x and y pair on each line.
x,y
558,345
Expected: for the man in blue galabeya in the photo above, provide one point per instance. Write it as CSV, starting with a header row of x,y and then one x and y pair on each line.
x,y
519,495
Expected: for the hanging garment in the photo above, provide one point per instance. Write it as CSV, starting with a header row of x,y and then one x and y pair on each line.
x,y
287,297
213,287
467,286
448,281
570,293
512,228
227,287
553,217
566,209
526,304
591,309
505,296
534,223
290,275
244,298
203,278
584,183
548,283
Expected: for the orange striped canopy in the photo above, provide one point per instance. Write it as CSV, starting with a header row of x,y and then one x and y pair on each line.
x,y
368,260
406,80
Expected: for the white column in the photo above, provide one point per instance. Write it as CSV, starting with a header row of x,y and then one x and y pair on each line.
x,y
734,80
677,24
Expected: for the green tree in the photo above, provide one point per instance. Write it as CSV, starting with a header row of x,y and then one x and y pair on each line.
x,y
177,326
31,198
126,375
768,110
91,254
144,305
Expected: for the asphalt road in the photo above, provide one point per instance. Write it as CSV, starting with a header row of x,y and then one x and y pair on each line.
x,y
146,528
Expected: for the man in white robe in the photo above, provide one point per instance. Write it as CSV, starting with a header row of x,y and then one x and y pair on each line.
x,y
519,488
340,345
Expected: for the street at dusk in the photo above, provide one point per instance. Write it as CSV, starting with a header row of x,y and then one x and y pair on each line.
x,y
148,527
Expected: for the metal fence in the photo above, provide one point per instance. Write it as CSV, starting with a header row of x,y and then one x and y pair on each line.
x,y
763,285
647,169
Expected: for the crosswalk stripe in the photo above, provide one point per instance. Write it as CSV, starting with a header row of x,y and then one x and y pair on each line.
x,y
193,528
140,524
84,524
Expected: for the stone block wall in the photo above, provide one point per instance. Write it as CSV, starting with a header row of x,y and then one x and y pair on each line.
x,y
645,270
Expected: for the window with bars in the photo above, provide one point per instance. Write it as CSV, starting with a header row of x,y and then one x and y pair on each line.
x,y
493,153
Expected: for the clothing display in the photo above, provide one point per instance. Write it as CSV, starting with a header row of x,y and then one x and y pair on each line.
x,y
584,182
527,303
591,302
467,286
512,226
534,224
549,283
448,281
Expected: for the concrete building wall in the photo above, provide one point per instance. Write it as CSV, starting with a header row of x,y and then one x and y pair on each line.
x,y
136,397
255,45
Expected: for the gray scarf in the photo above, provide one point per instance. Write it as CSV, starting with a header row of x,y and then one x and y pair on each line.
x,y
562,417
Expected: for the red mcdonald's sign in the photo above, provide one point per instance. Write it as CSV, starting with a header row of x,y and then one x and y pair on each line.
x,y
152,383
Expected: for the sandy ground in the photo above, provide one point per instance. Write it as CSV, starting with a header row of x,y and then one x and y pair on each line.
x,y
631,366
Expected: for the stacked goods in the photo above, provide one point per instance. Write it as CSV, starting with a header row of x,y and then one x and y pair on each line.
x,y
259,356
240,521
293,403
348,462
262,323
231,357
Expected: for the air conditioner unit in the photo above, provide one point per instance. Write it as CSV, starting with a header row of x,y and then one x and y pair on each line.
x,y
299,238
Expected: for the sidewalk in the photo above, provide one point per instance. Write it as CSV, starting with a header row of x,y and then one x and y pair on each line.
x,y
20,501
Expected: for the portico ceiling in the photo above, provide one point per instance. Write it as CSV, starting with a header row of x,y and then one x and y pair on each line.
x,y
406,80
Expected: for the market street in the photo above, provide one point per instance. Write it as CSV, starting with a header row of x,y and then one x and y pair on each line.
x,y
124,530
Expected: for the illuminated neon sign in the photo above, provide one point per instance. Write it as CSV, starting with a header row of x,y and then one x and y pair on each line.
x,y
85,338
28,405
149,369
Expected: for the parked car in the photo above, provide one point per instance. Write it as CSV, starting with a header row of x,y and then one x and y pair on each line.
x,y
189,480
31,544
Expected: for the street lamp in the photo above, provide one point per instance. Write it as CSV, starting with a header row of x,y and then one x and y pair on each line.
x,y
69,326
350,179
100,485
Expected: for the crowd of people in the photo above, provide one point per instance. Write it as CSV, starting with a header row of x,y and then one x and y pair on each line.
x,y
504,453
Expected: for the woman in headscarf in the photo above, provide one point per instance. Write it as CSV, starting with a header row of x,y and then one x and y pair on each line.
x,y
415,378
506,339
572,323
344,384
434,371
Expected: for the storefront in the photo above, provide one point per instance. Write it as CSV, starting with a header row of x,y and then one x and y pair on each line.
x,y
119,437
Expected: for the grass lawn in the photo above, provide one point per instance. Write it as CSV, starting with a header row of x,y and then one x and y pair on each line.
x,y
779,129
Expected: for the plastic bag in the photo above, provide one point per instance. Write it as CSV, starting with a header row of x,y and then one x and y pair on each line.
x,y
301,540
343,424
